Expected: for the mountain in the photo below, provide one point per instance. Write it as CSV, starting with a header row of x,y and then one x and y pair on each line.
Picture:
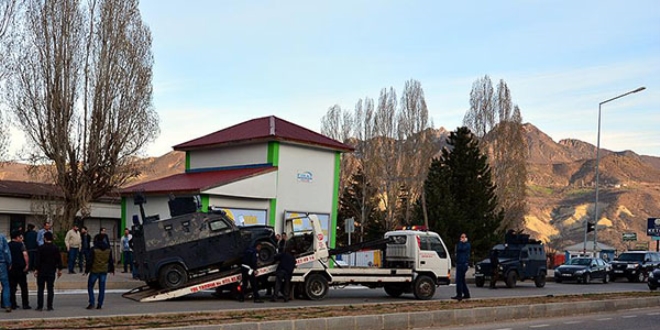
x,y
560,187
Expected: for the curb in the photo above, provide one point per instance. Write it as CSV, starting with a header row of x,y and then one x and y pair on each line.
x,y
453,317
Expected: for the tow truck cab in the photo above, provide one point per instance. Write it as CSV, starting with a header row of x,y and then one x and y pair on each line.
x,y
423,251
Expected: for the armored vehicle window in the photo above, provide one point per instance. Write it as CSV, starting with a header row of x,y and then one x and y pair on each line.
x,y
434,244
219,225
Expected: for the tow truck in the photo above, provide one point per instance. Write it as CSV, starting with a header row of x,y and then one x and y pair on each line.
x,y
416,261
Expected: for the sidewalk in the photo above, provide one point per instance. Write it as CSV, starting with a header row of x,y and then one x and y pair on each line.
x,y
68,282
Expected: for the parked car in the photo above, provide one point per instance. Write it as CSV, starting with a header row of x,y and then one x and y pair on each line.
x,y
634,265
654,279
583,270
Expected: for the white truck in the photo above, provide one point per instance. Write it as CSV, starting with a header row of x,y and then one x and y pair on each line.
x,y
416,261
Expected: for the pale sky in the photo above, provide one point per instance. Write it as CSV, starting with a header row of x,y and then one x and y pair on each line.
x,y
219,63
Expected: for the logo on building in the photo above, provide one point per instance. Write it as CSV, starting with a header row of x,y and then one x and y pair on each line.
x,y
304,176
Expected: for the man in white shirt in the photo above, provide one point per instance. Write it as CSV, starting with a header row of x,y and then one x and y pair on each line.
x,y
126,251
73,242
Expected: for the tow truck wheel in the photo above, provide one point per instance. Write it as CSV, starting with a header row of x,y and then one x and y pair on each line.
x,y
511,279
394,290
539,281
479,282
316,287
424,288
172,276
267,253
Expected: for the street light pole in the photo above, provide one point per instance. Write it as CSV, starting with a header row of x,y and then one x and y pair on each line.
x,y
586,226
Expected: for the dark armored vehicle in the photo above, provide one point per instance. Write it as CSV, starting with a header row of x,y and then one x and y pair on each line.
x,y
519,259
170,252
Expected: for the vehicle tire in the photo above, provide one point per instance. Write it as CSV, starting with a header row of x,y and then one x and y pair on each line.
x,y
557,280
267,253
393,290
479,282
587,278
640,277
606,278
539,280
511,278
612,278
424,288
172,276
316,287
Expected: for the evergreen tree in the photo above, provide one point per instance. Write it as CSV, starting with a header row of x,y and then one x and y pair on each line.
x,y
460,195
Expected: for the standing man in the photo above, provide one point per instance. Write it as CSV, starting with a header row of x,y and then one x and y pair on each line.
x,y
48,263
5,265
100,263
462,260
248,275
283,274
18,271
494,265
41,232
72,241
31,245
126,251
85,248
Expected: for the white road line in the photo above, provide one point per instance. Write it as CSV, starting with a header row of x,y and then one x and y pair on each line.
x,y
604,319
573,322
505,329
539,326
653,314
628,316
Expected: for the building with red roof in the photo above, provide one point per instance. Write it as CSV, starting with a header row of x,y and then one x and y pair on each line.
x,y
260,171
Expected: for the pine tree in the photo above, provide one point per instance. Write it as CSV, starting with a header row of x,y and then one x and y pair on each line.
x,y
460,195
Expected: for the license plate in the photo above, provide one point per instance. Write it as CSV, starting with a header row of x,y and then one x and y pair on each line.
x,y
566,275
618,271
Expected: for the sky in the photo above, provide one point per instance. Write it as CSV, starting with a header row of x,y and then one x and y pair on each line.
x,y
219,63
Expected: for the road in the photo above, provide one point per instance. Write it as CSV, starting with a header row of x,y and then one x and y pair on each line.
x,y
73,304
638,319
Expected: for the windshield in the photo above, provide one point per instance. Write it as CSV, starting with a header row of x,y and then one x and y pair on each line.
x,y
631,257
579,261
508,253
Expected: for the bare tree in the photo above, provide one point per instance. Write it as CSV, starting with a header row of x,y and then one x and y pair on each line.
x,y
498,124
80,89
8,9
414,128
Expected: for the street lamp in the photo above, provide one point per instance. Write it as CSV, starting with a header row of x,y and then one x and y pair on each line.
x,y
586,226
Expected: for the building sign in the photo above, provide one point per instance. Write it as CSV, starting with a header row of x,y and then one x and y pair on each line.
x,y
301,223
305,176
629,237
246,217
653,227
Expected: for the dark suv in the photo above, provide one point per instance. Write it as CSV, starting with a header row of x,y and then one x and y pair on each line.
x,y
169,252
520,258
634,265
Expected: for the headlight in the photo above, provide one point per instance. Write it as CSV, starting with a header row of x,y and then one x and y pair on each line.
x,y
632,266
651,275
478,267
500,268
579,272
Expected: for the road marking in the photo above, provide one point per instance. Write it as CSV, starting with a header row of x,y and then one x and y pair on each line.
x,y
573,322
628,316
539,326
505,329
604,319
652,314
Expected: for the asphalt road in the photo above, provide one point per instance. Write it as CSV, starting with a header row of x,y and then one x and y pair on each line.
x,y
72,304
638,319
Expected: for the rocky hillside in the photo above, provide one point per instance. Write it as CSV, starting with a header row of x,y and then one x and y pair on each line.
x,y
561,188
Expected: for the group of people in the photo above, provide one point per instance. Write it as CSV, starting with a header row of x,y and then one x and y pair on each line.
x,y
283,273
34,251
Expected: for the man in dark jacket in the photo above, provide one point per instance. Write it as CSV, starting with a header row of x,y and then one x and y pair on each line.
x,y
99,264
31,245
18,271
248,276
85,248
494,266
47,264
283,274
462,260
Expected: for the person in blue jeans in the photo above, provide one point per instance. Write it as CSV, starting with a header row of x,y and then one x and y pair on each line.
x,y
100,264
5,264
462,260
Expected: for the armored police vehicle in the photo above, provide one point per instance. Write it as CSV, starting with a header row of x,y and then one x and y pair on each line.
x,y
519,258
